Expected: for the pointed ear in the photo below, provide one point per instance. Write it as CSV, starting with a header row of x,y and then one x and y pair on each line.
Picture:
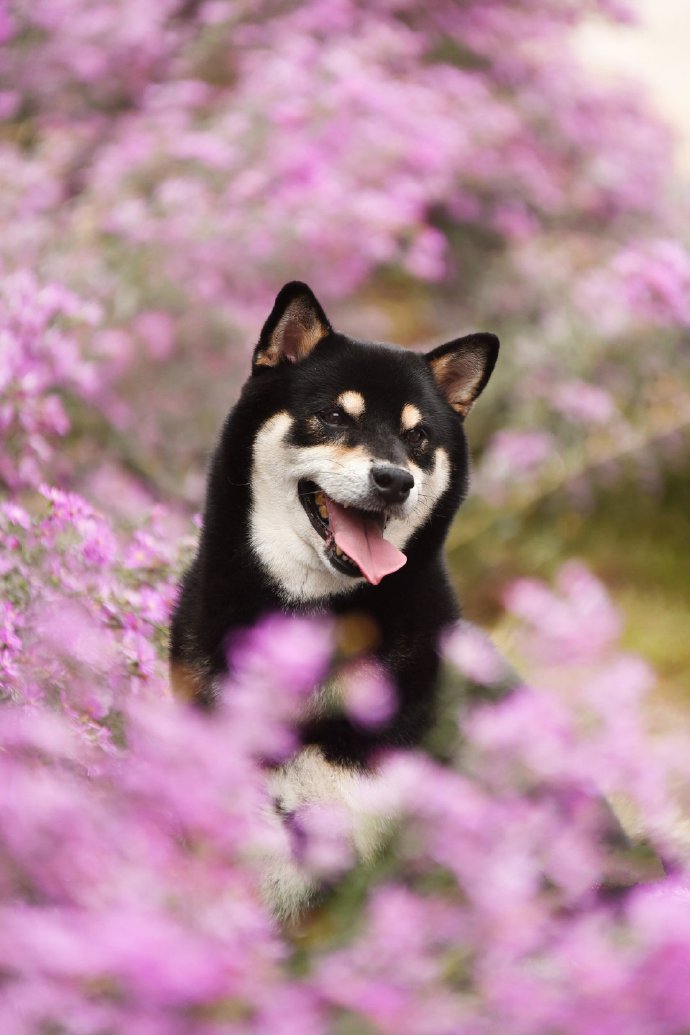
x,y
295,326
462,368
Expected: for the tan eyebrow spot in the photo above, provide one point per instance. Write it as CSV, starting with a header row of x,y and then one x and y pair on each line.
x,y
410,416
352,403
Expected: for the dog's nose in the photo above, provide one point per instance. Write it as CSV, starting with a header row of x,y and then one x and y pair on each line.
x,y
392,483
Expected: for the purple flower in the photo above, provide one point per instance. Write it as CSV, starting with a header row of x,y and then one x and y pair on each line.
x,y
294,650
474,654
577,622
367,694
161,165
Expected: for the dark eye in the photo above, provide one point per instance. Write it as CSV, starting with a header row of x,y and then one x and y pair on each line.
x,y
416,436
333,416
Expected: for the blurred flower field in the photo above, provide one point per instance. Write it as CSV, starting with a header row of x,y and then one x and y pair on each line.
x,y
164,168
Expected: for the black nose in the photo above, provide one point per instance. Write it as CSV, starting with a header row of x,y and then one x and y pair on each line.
x,y
393,483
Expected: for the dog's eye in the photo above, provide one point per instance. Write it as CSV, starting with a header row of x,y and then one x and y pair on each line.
x,y
416,436
333,416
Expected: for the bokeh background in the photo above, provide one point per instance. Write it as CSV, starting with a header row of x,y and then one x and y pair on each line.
x,y
512,166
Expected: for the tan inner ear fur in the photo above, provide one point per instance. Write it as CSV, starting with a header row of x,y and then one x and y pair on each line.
x,y
458,377
297,332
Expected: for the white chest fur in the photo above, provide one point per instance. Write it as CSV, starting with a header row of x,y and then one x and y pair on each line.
x,y
309,780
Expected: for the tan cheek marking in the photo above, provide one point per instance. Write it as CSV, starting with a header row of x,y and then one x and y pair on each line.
x,y
352,403
410,416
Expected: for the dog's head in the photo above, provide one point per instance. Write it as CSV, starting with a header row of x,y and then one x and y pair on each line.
x,y
363,448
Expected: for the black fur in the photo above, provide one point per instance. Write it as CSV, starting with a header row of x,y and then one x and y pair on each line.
x,y
226,589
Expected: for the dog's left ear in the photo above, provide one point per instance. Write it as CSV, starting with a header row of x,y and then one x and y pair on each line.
x,y
463,367
296,325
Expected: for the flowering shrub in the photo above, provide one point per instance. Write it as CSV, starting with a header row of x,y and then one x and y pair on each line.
x,y
77,602
133,827
173,162
163,166
41,359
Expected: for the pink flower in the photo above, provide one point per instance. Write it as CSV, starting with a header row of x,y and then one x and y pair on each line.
x,y
10,641
513,453
157,330
296,650
576,623
367,694
472,651
583,402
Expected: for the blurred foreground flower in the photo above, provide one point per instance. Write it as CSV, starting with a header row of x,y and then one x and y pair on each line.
x,y
135,831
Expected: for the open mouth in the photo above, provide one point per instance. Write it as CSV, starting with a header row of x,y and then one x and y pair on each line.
x,y
354,539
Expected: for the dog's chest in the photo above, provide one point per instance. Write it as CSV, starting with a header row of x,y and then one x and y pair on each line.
x,y
329,792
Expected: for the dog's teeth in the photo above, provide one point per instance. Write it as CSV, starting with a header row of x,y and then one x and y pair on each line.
x,y
320,499
323,511
339,552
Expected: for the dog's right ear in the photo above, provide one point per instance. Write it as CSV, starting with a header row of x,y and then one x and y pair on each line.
x,y
296,325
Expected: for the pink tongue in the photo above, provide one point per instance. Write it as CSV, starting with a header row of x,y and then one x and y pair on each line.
x,y
361,539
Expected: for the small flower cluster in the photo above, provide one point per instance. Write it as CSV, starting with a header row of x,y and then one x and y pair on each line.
x,y
80,616
41,359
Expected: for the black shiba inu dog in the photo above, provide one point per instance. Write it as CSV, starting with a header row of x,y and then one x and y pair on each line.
x,y
332,487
